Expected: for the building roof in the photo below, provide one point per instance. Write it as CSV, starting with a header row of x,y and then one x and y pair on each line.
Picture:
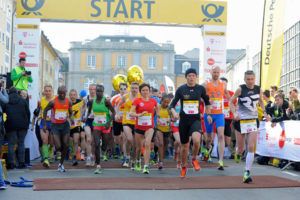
x,y
233,54
118,38
52,48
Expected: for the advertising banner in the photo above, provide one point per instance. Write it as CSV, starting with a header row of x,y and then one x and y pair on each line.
x,y
192,12
272,43
214,51
282,141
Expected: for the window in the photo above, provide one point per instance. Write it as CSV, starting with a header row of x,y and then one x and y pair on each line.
x,y
7,43
88,82
3,37
6,58
8,27
91,61
185,66
122,40
152,62
121,61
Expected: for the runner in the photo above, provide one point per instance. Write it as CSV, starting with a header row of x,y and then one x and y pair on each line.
x,y
88,126
47,137
102,122
177,143
77,132
128,124
163,126
117,124
60,126
247,118
190,95
143,110
228,118
216,89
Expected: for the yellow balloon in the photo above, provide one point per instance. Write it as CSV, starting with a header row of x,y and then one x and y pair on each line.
x,y
119,78
135,74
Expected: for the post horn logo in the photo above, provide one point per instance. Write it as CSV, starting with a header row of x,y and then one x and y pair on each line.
x,y
36,7
217,13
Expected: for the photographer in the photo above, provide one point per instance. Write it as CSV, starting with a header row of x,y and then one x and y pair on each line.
x,y
3,101
21,76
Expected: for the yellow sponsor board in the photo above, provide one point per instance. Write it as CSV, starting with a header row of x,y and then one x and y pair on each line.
x,y
28,26
215,33
272,43
187,12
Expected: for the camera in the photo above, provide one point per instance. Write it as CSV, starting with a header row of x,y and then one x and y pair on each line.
x,y
28,73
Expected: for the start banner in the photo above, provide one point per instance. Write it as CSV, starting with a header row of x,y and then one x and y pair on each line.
x,y
281,141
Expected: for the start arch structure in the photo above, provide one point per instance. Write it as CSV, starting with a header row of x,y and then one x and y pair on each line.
x,y
210,16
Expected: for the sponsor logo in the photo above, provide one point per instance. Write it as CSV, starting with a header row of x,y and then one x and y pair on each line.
x,y
282,139
32,9
141,104
212,12
210,61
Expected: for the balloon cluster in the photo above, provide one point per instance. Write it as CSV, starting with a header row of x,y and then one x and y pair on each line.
x,y
134,74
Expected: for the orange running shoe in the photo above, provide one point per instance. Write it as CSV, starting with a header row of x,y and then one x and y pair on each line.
x,y
82,157
183,172
195,164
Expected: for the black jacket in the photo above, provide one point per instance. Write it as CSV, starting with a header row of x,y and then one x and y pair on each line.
x,y
18,114
278,113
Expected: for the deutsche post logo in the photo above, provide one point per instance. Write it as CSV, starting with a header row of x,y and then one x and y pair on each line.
x,y
33,9
207,11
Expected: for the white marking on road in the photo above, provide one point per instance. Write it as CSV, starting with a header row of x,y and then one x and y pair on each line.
x,y
289,173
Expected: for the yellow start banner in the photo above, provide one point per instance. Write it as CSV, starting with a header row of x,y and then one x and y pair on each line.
x,y
272,43
186,12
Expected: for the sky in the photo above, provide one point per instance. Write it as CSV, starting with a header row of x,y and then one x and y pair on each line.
x,y
244,26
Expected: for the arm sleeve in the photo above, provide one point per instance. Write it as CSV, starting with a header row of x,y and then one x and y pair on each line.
x,y
135,102
205,97
175,100
14,76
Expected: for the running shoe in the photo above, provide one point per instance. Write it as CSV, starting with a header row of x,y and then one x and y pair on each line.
x,y
210,160
126,163
2,186
247,178
237,158
160,165
82,157
105,158
98,170
61,168
132,166
195,164
88,161
221,166
207,154
138,166
123,158
146,169
178,165
183,172
74,161
46,163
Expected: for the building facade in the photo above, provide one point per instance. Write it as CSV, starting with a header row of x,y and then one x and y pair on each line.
x,y
99,60
290,71
256,63
51,64
6,18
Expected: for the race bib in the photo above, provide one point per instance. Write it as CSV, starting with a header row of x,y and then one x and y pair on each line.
x,y
216,104
76,122
227,112
49,114
145,120
248,126
61,114
91,116
129,118
100,118
191,107
164,121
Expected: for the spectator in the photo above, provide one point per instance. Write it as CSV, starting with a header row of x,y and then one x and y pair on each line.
x,y
273,91
278,111
24,94
266,97
21,77
17,123
294,111
3,101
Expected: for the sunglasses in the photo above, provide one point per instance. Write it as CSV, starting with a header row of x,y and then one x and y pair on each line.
x,y
123,88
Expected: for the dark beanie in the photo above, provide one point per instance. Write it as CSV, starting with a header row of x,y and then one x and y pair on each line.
x,y
190,70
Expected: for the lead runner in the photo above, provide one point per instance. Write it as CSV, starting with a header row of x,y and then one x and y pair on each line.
x,y
246,119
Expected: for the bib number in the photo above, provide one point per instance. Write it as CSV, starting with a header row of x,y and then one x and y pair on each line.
x,y
48,114
248,126
76,122
216,104
227,112
164,121
100,118
191,107
145,120
60,115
